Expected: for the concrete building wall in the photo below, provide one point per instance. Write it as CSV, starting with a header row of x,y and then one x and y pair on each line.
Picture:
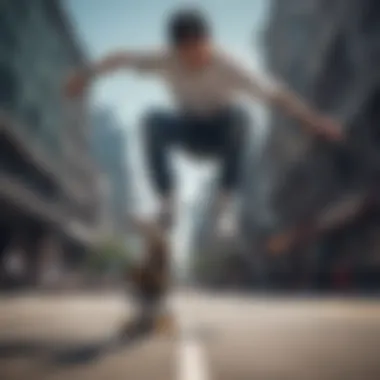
x,y
47,177
107,221
328,69
328,52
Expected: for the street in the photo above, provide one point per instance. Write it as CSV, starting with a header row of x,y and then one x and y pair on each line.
x,y
216,337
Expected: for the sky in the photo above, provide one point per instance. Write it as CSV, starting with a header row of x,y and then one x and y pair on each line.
x,y
105,25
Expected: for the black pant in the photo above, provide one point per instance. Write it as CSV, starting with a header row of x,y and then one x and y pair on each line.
x,y
221,135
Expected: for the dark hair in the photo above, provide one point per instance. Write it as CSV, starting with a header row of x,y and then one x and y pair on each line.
x,y
187,25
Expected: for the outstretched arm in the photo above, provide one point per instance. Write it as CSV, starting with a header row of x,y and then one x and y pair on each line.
x,y
138,61
126,60
279,96
313,121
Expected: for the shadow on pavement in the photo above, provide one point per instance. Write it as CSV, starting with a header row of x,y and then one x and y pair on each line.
x,y
58,355
20,349
126,339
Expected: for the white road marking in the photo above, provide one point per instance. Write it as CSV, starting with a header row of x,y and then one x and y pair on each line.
x,y
192,363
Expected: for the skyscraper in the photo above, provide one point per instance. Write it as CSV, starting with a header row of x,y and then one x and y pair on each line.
x,y
327,51
47,177
108,143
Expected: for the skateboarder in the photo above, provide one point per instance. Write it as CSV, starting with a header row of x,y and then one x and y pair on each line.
x,y
205,83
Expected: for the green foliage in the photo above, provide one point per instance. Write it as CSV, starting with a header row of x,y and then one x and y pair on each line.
x,y
109,254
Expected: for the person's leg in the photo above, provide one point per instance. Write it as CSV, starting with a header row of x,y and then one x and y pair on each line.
x,y
223,135
161,130
234,123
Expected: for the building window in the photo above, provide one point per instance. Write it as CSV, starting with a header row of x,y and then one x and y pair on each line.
x,y
51,142
300,34
327,6
373,115
370,30
21,9
7,36
370,10
14,165
8,87
337,76
32,118
297,76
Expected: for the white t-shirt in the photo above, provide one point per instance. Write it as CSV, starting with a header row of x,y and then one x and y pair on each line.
x,y
206,90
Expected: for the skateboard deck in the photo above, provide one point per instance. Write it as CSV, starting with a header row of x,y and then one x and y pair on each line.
x,y
150,282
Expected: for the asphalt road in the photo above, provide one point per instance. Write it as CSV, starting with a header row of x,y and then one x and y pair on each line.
x,y
215,337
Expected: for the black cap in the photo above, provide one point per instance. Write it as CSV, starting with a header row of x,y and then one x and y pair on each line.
x,y
187,25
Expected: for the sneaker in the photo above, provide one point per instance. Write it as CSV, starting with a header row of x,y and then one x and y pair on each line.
x,y
227,224
165,216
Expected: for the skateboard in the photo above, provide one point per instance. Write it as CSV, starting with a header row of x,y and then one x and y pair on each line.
x,y
150,282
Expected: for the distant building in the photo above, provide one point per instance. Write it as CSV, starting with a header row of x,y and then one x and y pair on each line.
x,y
107,223
109,150
47,176
327,51
216,259
318,48
203,220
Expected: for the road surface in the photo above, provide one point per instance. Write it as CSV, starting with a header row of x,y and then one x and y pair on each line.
x,y
218,337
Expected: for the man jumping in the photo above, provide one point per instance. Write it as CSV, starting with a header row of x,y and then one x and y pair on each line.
x,y
205,84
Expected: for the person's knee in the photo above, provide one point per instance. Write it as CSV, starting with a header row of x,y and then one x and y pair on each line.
x,y
238,125
238,121
155,122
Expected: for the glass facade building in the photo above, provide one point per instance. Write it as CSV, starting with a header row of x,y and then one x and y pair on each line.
x,y
38,50
109,147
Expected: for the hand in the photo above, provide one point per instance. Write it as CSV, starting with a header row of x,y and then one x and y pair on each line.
x,y
281,242
328,129
75,85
